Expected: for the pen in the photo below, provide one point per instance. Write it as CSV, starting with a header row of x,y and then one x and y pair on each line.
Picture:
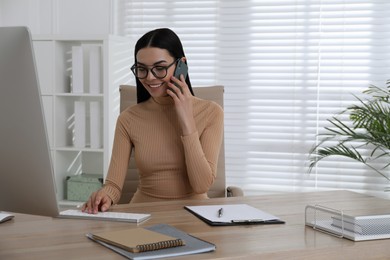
x,y
220,212
248,221
257,221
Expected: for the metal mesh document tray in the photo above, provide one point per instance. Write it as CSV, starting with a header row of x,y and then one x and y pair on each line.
x,y
356,228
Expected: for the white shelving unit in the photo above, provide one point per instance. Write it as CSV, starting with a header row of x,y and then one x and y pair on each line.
x,y
53,54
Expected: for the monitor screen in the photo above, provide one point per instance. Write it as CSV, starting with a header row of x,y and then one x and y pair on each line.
x,y
26,172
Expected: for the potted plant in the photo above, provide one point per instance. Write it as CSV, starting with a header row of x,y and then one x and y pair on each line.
x,y
368,128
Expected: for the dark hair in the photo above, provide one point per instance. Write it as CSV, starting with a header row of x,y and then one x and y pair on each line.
x,y
162,38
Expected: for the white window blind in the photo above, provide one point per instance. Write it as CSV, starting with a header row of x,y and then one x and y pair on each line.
x,y
287,66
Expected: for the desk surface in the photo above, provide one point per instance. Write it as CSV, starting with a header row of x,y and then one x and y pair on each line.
x,y
37,237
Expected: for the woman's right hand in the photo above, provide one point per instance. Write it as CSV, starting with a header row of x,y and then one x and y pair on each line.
x,y
183,104
98,201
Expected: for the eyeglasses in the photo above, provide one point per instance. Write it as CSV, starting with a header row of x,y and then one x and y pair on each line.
x,y
159,72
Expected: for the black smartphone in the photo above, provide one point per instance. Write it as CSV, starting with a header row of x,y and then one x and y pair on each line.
x,y
181,69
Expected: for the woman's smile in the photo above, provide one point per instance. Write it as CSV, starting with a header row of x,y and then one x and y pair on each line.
x,y
155,85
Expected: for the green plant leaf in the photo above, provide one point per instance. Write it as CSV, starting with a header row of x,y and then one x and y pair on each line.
x,y
368,128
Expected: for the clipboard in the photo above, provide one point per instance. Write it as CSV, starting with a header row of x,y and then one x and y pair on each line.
x,y
233,214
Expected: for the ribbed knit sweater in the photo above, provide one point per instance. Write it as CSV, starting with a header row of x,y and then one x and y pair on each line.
x,y
170,165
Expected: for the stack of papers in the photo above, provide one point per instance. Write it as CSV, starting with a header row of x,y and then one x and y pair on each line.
x,y
356,228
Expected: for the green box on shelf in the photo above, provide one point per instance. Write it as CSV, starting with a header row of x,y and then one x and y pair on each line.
x,y
80,187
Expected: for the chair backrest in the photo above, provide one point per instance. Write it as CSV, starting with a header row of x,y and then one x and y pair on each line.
x,y
128,97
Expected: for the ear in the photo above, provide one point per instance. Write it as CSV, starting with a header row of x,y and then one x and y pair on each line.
x,y
184,59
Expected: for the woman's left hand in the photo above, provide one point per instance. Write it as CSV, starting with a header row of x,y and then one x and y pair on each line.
x,y
183,103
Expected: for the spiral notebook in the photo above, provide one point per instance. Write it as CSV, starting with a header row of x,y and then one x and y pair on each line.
x,y
193,245
138,240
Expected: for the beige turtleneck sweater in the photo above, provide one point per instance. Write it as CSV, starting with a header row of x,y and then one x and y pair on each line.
x,y
170,166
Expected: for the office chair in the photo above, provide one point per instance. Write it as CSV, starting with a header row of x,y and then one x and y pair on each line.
x,y
128,96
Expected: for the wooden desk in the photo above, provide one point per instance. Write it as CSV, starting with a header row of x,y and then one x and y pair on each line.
x,y
36,237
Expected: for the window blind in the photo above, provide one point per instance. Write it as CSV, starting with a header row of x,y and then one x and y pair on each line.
x,y
287,66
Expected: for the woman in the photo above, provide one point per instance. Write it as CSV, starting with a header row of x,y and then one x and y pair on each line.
x,y
176,137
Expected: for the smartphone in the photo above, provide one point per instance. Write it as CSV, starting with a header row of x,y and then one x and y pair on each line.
x,y
181,69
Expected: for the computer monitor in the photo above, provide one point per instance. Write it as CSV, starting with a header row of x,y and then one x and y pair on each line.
x,y
26,173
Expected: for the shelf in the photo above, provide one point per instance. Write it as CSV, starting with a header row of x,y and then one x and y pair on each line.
x,y
75,149
94,110
79,95
73,37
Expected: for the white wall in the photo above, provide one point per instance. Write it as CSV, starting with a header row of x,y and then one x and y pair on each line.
x,y
58,16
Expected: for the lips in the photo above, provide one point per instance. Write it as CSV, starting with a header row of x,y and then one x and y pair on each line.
x,y
155,85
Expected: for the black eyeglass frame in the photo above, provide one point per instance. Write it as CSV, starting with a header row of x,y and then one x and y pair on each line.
x,y
134,70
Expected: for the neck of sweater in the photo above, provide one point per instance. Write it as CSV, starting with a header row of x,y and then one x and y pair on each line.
x,y
167,100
